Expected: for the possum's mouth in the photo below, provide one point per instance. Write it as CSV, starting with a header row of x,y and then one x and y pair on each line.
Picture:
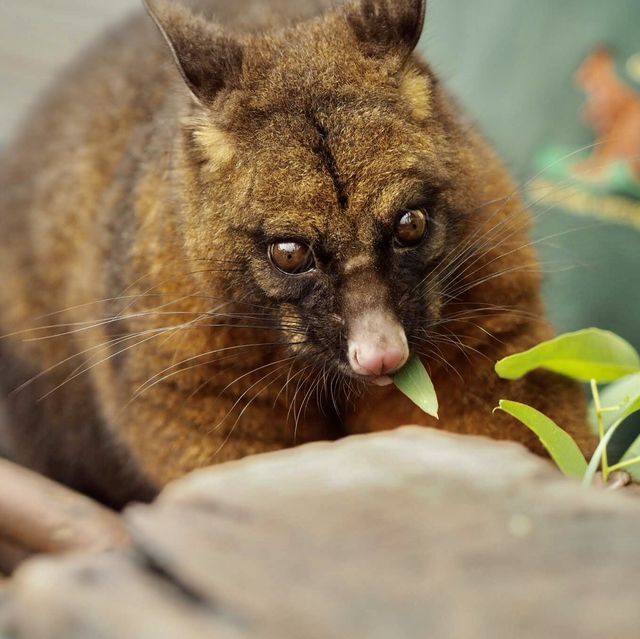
x,y
383,380
375,349
369,380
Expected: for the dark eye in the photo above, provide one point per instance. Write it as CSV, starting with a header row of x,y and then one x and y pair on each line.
x,y
292,258
411,228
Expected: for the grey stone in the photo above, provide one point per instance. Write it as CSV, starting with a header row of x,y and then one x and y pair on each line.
x,y
411,534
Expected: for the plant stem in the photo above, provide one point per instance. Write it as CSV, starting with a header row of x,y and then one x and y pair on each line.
x,y
611,409
625,464
599,415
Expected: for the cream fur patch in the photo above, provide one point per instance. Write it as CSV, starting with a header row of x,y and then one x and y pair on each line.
x,y
216,143
355,263
416,90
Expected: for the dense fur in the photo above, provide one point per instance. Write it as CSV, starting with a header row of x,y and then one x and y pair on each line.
x,y
138,207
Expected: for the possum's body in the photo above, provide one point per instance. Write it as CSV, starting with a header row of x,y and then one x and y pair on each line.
x,y
126,207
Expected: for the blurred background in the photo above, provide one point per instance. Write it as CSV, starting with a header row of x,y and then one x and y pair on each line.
x,y
511,64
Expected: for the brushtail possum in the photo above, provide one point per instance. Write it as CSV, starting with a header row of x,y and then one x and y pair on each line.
x,y
228,224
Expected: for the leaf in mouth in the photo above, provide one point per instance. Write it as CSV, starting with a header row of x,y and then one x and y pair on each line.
x,y
414,381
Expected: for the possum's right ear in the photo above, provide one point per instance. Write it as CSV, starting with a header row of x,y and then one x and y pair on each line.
x,y
208,59
386,27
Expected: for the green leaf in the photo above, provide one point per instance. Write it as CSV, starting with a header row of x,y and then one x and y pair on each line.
x,y
594,464
625,396
634,450
563,450
622,394
632,407
414,381
584,355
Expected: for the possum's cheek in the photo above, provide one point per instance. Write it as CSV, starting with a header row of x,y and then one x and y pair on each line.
x,y
293,329
421,306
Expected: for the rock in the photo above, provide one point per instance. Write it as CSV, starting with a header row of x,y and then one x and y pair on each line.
x,y
38,515
411,534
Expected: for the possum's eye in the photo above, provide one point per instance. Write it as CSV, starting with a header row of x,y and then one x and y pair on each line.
x,y
411,228
292,258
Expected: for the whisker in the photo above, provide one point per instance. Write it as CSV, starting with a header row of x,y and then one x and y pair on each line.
x,y
246,407
279,363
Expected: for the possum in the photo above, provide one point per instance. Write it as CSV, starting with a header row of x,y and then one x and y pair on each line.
x,y
228,224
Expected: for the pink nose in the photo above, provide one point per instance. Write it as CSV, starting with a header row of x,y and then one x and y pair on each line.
x,y
377,345
378,361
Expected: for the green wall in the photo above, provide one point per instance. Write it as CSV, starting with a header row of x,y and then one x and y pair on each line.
x,y
511,65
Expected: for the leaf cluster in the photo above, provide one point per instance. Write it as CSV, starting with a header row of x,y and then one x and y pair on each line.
x,y
595,357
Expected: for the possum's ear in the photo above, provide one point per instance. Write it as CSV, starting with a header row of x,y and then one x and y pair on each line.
x,y
387,27
208,59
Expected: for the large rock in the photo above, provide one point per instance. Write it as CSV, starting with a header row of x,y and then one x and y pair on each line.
x,y
414,534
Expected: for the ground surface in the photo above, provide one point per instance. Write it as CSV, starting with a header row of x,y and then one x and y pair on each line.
x,y
415,534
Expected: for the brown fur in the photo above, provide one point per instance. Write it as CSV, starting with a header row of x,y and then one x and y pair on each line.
x,y
134,195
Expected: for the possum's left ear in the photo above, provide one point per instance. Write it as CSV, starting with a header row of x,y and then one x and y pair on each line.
x,y
387,27
208,59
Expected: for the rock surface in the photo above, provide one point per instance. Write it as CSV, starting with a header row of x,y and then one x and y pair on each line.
x,y
411,534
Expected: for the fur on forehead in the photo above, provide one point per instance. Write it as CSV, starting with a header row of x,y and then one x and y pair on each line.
x,y
315,87
377,166
314,70
331,48
322,57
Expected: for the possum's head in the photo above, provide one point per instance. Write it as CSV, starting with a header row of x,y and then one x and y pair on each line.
x,y
323,164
